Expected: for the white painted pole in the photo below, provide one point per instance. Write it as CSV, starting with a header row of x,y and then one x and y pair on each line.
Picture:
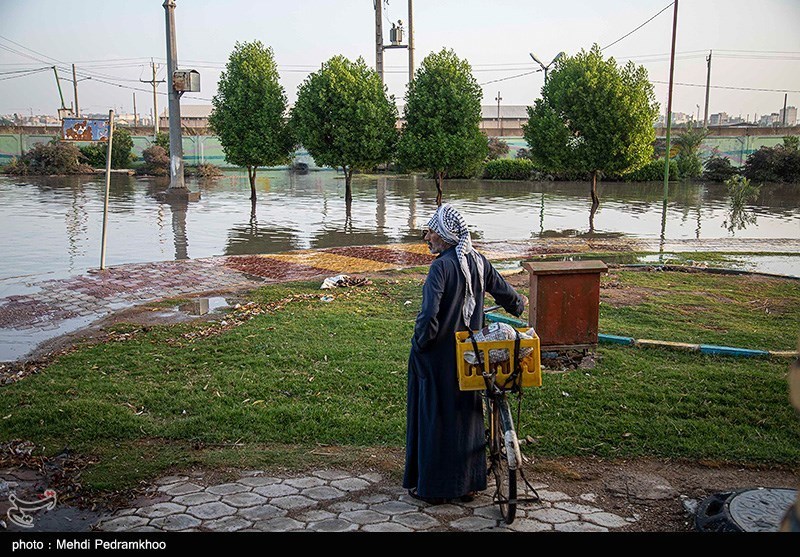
x,y
108,187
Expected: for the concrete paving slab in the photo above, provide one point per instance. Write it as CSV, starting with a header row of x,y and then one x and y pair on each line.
x,y
210,511
333,525
365,516
228,489
175,522
243,500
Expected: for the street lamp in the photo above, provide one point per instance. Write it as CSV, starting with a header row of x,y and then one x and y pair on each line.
x,y
545,68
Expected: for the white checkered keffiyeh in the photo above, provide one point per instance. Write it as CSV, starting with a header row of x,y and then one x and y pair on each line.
x,y
448,223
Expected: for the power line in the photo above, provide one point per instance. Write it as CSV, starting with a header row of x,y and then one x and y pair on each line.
x,y
510,77
26,71
728,87
30,72
34,51
642,25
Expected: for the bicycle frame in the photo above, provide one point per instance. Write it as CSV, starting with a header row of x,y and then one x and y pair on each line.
x,y
496,402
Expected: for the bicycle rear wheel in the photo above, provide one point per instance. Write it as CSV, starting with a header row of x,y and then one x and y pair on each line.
x,y
505,475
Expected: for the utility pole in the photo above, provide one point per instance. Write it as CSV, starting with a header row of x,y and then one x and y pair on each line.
x,y
58,84
75,89
785,98
669,109
379,38
154,83
175,147
498,98
135,119
708,88
410,41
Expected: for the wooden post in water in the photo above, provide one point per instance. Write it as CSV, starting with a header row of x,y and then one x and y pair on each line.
x,y
108,187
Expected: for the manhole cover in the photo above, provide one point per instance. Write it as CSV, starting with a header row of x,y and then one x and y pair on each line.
x,y
747,510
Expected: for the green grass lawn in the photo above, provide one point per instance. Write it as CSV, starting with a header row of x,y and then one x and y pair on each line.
x,y
269,391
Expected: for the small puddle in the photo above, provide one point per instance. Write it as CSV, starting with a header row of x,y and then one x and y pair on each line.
x,y
203,306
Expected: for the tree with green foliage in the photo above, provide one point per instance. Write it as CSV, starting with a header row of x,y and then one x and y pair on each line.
x,y
121,146
688,143
249,110
497,148
162,140
594,116
344,118
443,113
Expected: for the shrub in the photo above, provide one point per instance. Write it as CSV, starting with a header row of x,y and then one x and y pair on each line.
x,y
508,169
773,164
162,140
204,170
121,157
156,161
497,148
95,154
652,172
718,169
55,157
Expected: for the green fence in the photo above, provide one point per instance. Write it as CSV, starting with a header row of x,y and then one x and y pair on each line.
x,y
206,148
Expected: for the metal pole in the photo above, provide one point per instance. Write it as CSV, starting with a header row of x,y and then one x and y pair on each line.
x,y
155,102
108,187
708,89
410,41
379,38
669,103
135,119
175,146
499,120
58,83
75,89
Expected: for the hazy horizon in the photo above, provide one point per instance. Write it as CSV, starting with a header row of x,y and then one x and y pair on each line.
x,y
754,47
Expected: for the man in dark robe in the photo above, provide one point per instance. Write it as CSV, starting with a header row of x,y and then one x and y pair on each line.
x,y
445,433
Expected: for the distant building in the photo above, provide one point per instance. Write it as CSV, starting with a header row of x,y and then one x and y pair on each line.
x,y
512,116
680,118
791,116
718,119
768,120
192,116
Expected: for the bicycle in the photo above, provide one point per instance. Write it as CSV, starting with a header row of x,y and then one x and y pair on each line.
x,y
503,450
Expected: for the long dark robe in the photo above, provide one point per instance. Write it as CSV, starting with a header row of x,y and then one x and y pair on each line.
x,y
445,439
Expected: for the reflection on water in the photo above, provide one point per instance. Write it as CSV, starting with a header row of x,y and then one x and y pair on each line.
x,y
741,192
54,224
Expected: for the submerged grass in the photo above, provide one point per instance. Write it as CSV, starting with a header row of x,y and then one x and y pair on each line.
x,y
267,392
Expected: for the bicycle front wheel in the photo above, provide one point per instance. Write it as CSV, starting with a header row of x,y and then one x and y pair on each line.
x,y
505,475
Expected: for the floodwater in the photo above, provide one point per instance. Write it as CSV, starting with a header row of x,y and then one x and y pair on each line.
x,y
52,225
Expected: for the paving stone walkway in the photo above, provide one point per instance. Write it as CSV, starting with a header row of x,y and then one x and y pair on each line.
x,y
338,501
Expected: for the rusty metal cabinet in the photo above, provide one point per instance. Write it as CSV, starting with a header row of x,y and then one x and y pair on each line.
x,y
565,302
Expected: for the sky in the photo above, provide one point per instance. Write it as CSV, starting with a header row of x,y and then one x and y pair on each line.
x,y
756,46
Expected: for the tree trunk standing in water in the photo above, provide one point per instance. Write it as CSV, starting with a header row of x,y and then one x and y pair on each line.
x,y
595,199
251,173
592,211
439,177
348,192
